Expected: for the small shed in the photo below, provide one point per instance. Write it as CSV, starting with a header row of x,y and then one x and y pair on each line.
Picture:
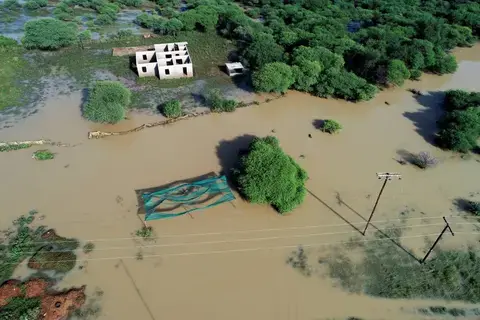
x,y
234,68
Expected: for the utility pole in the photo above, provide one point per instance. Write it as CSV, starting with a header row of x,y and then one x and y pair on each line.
x,y
387,177
447,226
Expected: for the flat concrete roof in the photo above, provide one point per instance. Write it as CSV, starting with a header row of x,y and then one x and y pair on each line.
x,y
234,65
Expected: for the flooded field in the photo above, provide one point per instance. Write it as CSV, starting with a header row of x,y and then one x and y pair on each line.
x,y
229,262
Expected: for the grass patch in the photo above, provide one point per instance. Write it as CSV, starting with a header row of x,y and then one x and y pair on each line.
x,y
12,90
387,271
14,147
43,155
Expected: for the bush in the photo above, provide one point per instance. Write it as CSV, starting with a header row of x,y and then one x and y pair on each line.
x,y
273,77
131,3
461,100
268,175
49,34
331,126
36,4
424,160
474,207
43,155
397,72
11,4
107,102
460,129
6,42
172,109
415,74
217,103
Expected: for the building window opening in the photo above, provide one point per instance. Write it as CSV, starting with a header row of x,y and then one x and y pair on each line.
x,y
144,69
144,57
167,72
185,71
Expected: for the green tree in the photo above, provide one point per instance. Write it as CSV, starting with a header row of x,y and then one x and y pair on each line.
x,y
461,100
263,50
331,126
172,26
107,102
273,77
49,34
460,129
269,176
172,109
83,37
397,72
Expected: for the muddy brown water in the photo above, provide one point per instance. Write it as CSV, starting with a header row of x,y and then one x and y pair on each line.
x,y
228,262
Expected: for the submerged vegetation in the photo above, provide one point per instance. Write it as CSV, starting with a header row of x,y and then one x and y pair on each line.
x,y
172,109
331,126
266,175
460,126
43,155
389,272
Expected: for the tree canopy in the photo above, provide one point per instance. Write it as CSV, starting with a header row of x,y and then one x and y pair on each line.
x,y
273,77
460,126
269,176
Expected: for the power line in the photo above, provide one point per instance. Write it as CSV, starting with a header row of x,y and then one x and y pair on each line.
x,y
238,250
238,240
244,231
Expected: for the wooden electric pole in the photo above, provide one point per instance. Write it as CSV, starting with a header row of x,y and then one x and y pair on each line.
x,y
447,226
387,177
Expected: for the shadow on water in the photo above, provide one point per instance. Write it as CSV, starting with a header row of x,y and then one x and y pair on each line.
x,y
318,124
229,153
380,232
425,119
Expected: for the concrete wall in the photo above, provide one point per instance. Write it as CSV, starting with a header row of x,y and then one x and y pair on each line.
x,y
175,71
144,56
147,69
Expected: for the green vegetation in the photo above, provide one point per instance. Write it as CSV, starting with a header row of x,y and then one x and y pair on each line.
x,y
43,155
267,175
11,61
36,4
145,232
460,126
9,5
473,207
331,126
172,109
88,247
273,77
454,312
49,34
14,147
397,72
107,102
106,11
387,271
218,103
21,308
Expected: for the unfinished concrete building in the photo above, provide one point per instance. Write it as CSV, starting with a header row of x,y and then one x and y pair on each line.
x,y
165,61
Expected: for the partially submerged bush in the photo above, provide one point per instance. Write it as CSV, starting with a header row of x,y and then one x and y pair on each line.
x,y
49,34
43,155
273,77
331,126
107,102
269,176
473,207
460,129
424,160
145,232
88,247
218,103
172,109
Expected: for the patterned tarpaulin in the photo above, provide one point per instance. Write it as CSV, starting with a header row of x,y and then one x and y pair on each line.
x,y
191,197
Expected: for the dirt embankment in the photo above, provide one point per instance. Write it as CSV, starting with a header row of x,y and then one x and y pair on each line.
x,y
54,305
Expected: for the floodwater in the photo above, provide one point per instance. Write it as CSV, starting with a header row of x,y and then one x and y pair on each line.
x,y
229,262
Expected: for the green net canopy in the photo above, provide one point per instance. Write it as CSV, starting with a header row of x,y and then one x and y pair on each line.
x,y
185,198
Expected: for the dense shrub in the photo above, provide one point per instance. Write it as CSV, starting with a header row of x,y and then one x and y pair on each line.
x,y
269,176
424,160
11,4
49,34
218,103
331,126
461,100
397,72
107,102
474,207
273,77
172,109
130,3
36,4
460,126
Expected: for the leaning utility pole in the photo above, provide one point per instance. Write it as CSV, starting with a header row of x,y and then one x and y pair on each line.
x,y
387,177
447,226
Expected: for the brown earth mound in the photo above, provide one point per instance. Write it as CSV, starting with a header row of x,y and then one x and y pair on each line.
x,y
55,305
